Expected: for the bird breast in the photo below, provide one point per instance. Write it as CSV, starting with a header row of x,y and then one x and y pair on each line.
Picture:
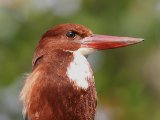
x,y
79,71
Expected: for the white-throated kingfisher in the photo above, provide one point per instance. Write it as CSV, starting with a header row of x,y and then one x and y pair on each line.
x,y
61,85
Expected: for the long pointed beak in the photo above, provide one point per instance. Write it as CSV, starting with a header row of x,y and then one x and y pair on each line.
x,y
102,42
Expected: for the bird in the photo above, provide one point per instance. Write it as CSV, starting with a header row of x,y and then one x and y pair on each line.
x,y
61,84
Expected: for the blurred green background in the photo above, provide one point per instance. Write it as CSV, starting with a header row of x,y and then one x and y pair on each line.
x,y
127,79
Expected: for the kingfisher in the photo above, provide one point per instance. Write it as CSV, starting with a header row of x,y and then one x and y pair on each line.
x,y
61,85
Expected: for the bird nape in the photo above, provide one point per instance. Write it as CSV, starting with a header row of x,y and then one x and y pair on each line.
x,y
61,85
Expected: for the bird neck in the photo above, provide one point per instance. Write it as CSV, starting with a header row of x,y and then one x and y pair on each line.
x,y
47,71
58,79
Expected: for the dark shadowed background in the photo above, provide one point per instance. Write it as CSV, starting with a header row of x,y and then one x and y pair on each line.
x,y
127,79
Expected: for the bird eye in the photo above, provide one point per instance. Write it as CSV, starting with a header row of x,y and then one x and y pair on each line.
x,y
71,34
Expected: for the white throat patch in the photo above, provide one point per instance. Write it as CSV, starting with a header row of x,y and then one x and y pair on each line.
x,y
79,70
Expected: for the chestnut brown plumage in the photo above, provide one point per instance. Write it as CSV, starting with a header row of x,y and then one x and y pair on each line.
x,y
53,91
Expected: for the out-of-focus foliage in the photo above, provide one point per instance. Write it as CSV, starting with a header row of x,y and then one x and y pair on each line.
x,y
127,79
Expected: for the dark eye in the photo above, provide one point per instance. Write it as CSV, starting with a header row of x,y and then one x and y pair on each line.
x,y
71,34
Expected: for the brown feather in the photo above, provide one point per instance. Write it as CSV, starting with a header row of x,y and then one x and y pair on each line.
x,y
48,93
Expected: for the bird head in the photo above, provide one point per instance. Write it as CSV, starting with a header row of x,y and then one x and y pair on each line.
x,y
75,37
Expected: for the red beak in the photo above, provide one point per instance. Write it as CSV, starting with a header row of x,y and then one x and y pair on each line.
x,y
102,42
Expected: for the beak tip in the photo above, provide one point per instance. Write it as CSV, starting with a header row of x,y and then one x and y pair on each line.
x,y
140,39
135,40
